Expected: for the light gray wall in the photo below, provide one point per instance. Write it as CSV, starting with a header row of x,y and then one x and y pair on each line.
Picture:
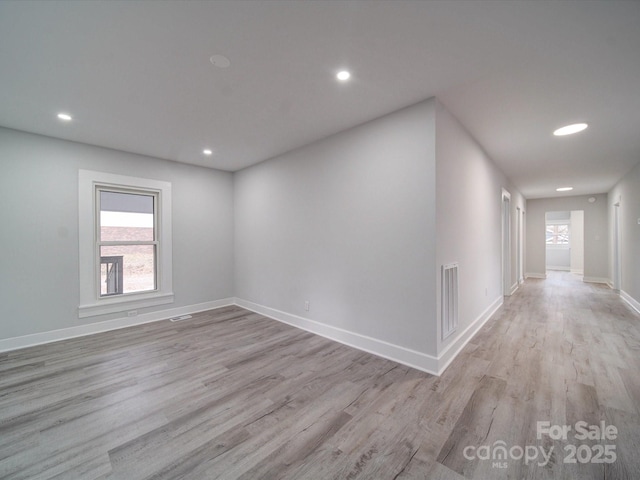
x,y
39,289
628,192
576,256
469,219
558,258
595,233
559,216
348,224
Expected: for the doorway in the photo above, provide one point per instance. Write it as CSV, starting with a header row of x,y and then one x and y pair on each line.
x,y
519,245
506,243
617,276
564,238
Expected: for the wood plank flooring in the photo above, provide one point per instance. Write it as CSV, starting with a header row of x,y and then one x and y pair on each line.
x,y
230,394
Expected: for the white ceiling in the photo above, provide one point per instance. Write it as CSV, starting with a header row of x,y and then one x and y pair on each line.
x,y
136,76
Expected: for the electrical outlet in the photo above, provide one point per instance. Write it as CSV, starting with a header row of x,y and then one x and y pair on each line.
x,y
307,305
132,313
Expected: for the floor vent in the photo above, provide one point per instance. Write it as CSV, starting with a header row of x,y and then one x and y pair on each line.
x,y
181,317
449,299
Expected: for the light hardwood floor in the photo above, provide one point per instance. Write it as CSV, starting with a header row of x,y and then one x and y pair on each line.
x,y
230,394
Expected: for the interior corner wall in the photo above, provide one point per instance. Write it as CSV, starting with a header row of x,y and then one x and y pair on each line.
x,y
469,225
627,191
347,224
39,289
596,233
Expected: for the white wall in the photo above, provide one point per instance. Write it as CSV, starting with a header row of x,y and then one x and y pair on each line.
x,y
577,242
39,290
348,224
558,258
627,191
469,222
595,233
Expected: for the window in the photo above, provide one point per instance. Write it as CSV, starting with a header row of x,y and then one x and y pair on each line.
x,y
125,243
557,234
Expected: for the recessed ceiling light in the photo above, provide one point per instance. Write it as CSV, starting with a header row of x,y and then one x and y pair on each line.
x,y
564,189
65,116
343,75
569,129
207,151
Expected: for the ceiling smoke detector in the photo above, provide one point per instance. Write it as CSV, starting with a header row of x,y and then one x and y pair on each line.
x,y
220,61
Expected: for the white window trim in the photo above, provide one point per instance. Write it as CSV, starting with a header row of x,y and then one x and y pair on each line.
x,y
91,303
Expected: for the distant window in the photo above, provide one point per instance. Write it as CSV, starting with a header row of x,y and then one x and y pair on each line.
x,y
557,234
125,243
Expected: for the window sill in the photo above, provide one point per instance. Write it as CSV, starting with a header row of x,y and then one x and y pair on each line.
x,y
123,304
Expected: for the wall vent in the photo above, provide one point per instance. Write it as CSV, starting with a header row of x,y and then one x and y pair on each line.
x,y
181,317
449,299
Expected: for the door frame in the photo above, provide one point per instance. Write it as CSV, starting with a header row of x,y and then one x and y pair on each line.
x,y
519,219
617,263
506,243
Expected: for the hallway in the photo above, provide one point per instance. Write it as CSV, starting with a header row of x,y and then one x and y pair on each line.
x,y
560,351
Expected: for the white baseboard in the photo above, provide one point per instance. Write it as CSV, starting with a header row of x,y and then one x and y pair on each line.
x,y
558,269
633,303
606,281
577,271
514,287
406,356
411,358
536,275
453,349
91,328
